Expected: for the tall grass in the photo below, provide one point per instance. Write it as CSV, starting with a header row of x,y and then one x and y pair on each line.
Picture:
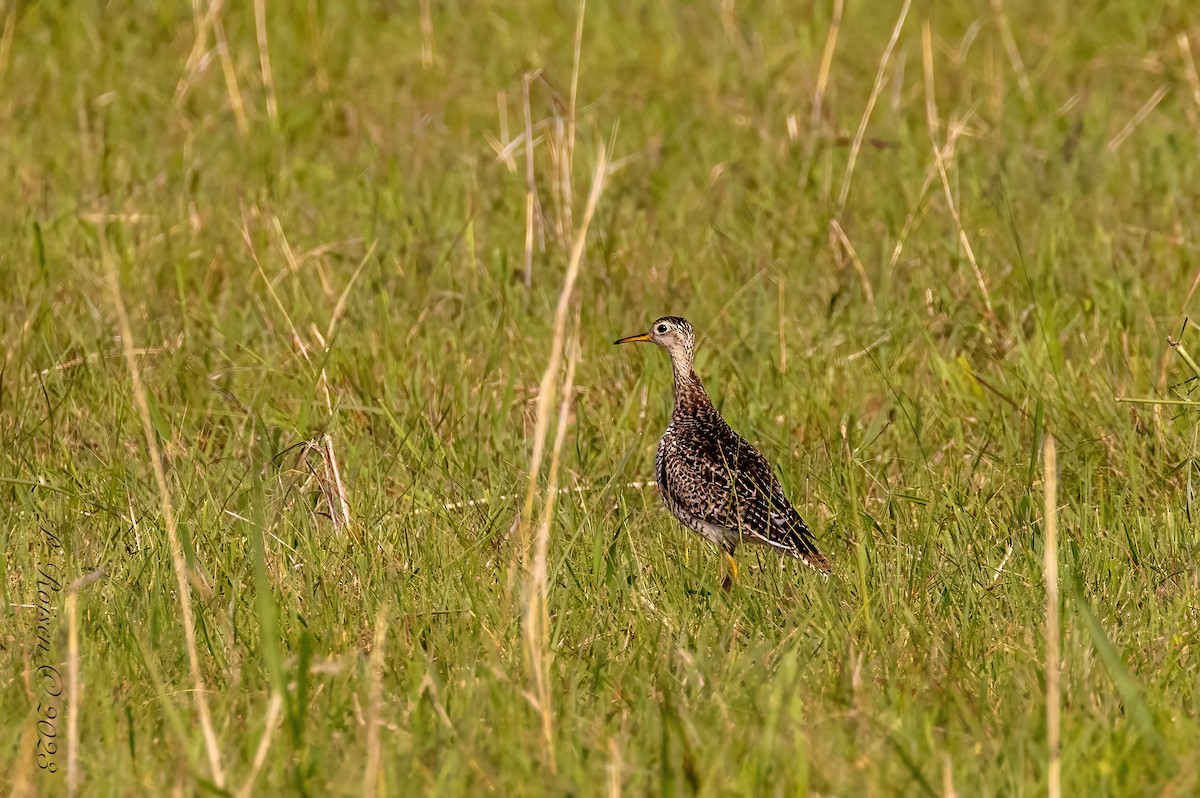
x,y
306,364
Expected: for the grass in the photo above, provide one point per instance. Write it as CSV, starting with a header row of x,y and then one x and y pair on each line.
x,y
317,215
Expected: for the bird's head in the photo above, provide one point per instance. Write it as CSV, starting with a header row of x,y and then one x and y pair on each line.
x,y
673,334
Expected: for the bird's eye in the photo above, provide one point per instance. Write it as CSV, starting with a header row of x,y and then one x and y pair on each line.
x,y
662,329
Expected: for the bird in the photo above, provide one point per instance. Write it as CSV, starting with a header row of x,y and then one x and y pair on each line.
x,y
712,479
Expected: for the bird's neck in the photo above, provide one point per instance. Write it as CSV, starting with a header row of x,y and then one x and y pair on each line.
x,y
690,397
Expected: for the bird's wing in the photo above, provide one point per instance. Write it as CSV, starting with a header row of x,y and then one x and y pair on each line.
x,y
728,483
768,509
698,485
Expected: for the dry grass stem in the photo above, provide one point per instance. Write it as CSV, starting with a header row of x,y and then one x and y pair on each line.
x,y
484,501
1143,112
537,620
614,769
571,121
940,156
782,330
74,704
426,35
504,145
142,400
343,503
1010,48
264,58
199,45
296,339
866,350
1000,568
948,778
1189,66
374,706
919,210
931,114
340,307
831,38
530,183
560,184
562,143
546,389
733,298
535,588
1141,401
79,361
968,250
866,116
6,40
231,84
841,238
274,711
1050,544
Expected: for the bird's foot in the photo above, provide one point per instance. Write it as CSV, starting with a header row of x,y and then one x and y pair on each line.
x,y
731,578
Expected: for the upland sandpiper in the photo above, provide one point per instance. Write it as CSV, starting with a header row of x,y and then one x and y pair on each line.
x,y
711,478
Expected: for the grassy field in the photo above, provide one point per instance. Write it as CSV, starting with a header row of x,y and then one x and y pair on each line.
x,y
286,250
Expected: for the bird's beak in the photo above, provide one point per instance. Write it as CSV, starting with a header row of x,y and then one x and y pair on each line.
x,y
632,339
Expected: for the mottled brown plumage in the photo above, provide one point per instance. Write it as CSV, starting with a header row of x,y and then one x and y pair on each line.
x,y
711,478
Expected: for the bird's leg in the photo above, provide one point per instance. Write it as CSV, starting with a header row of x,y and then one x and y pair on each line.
x,y
731,578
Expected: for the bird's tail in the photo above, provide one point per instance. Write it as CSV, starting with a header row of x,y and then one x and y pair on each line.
x,y
804,548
